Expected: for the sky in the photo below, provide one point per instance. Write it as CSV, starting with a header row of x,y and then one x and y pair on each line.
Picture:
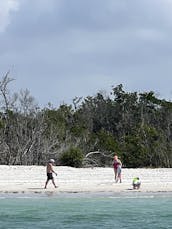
x,y
62,49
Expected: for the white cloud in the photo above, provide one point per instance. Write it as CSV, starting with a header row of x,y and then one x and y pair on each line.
x,y
6,7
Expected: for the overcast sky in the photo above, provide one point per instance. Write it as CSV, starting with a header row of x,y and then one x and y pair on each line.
x,y
59,49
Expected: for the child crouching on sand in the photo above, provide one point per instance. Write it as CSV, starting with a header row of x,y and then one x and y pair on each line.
x,y
136,183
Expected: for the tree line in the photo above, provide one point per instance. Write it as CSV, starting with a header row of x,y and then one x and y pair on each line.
x,y
137,126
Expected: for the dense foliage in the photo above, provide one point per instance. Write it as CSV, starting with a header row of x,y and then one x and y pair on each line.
x,y
72,157
137,126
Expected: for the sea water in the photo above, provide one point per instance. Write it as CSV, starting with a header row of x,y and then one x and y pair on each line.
x,y
86,211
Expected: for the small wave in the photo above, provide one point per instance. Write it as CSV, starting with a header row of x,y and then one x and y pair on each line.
x,y
131,197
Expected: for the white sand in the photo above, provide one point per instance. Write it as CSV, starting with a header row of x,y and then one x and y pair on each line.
x,y
31,179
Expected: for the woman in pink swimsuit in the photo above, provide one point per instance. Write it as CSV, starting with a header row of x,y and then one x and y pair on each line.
x,y
117,168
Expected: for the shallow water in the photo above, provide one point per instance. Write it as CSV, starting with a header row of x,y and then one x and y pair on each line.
x,y
86,211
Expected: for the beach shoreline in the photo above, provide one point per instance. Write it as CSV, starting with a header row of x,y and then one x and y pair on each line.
x,y
29,180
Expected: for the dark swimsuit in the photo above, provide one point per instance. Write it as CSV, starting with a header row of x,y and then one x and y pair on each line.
x,y
115,165
49,176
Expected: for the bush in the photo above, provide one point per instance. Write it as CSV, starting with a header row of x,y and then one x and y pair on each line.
x,y
72,157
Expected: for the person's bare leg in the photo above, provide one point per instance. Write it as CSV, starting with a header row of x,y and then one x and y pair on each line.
x,y
120,178
46,183
115,171
134,186
117,177
54,183
138,186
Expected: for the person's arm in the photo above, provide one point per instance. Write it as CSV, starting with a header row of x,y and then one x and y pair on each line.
x,y
120,163
53,170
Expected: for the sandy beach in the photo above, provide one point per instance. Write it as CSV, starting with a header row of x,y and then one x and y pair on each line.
x,y
31,179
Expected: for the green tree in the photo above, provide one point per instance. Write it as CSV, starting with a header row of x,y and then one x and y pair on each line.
x,y
72,157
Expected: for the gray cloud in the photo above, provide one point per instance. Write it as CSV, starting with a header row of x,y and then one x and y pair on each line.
x,y
74,48
6,8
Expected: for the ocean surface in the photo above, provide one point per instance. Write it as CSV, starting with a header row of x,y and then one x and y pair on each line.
x,y
83,211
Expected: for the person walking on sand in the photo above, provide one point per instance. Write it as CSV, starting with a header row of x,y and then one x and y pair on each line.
x,y
117,165
50,171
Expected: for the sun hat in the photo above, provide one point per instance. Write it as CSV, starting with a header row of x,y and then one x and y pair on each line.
x,y
52,160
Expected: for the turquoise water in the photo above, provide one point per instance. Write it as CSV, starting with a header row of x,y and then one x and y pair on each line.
x,y
113,211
